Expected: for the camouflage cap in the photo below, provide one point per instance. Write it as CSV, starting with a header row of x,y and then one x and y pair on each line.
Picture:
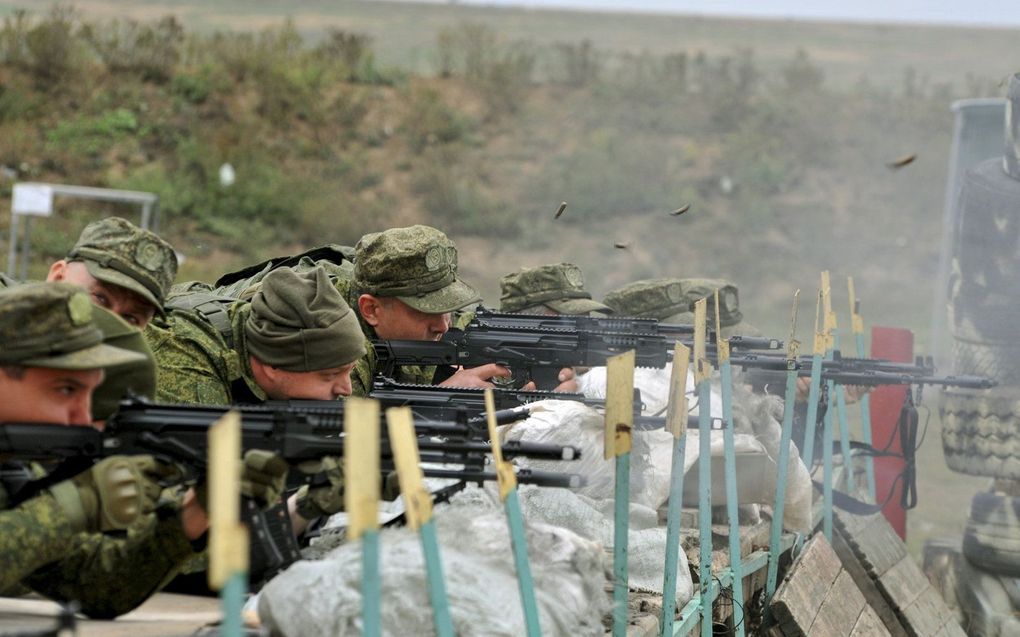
x,y
730,317
136,377
51,325
118,252
417,265
648,298
559,286
300,323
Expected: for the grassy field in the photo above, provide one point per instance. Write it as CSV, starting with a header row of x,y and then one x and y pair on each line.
x,y
404,34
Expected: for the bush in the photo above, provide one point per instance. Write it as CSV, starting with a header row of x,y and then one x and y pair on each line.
x,y
46,48
90,136
150,50
430,120
455,201
578,64
802,75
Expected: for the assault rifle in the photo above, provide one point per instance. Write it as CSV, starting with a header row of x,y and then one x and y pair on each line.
x,y
537,347
296,432
868,372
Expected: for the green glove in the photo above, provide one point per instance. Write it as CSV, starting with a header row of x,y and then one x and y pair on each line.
x,y
326,499
110,496
263,476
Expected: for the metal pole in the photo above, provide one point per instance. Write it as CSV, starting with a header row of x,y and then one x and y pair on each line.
x,y
12,249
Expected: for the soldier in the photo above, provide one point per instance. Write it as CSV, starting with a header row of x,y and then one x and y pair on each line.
x,y
296,338
548,289
405,286
661,299
127,271
51,359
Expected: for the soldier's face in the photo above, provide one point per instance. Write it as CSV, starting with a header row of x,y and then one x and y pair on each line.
x,y
323,384
123,302
56,396
395,320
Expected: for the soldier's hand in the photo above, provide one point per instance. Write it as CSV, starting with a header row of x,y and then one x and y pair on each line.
x,y
263,476
568,381
110,496
325,499
480,376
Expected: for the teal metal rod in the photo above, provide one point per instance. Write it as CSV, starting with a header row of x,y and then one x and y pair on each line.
x,y
807,452
784,470
730,469
519,543
371,585
232,600
437,586
676,497
869,462
705,504
827,467
621,526
844,439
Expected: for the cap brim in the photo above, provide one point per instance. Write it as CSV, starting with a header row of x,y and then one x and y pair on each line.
x,y
98,356
115,277
578,306
448,299
682,318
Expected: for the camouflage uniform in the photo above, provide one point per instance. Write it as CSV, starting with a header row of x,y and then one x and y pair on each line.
x,y
416,265
201,364
41,545
559,288
672,301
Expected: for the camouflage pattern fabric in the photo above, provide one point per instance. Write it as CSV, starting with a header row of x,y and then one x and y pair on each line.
x,y
118,252
51,325
32,534
417,265
649,298
560,287
195,364
730,317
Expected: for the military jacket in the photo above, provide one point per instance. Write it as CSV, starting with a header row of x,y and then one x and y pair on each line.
x,y
195,362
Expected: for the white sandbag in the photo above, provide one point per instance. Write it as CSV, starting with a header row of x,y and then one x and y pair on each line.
x,y
322,598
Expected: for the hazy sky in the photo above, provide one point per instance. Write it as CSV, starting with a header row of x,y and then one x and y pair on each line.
x,y
982,12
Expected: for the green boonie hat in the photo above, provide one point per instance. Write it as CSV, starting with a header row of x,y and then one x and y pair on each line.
x,y
300,323
648,298
118,252
730,316
559,286
416,265
50,325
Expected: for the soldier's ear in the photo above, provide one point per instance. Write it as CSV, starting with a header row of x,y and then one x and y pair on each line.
x,y
369,308
57,271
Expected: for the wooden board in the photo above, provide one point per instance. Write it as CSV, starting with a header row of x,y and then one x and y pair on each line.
x,y
877,559
820,598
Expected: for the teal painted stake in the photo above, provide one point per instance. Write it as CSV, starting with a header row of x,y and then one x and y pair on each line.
x,y
784,464
520,548
371,585
676,497
622,524
705,504
437,586
827,466
869,462
812,410
844,439
232,600
730,469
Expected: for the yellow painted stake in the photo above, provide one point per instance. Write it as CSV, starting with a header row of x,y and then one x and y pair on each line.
x,y
619,425
676,424
518,540
361,501
418,510
228,537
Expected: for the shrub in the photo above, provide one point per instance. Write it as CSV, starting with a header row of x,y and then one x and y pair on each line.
x,y
127,46
430,120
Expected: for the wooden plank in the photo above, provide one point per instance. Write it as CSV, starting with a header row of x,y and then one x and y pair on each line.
x,y
840,609
903,584
875,598
802,592
873,541
928,614
869,625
